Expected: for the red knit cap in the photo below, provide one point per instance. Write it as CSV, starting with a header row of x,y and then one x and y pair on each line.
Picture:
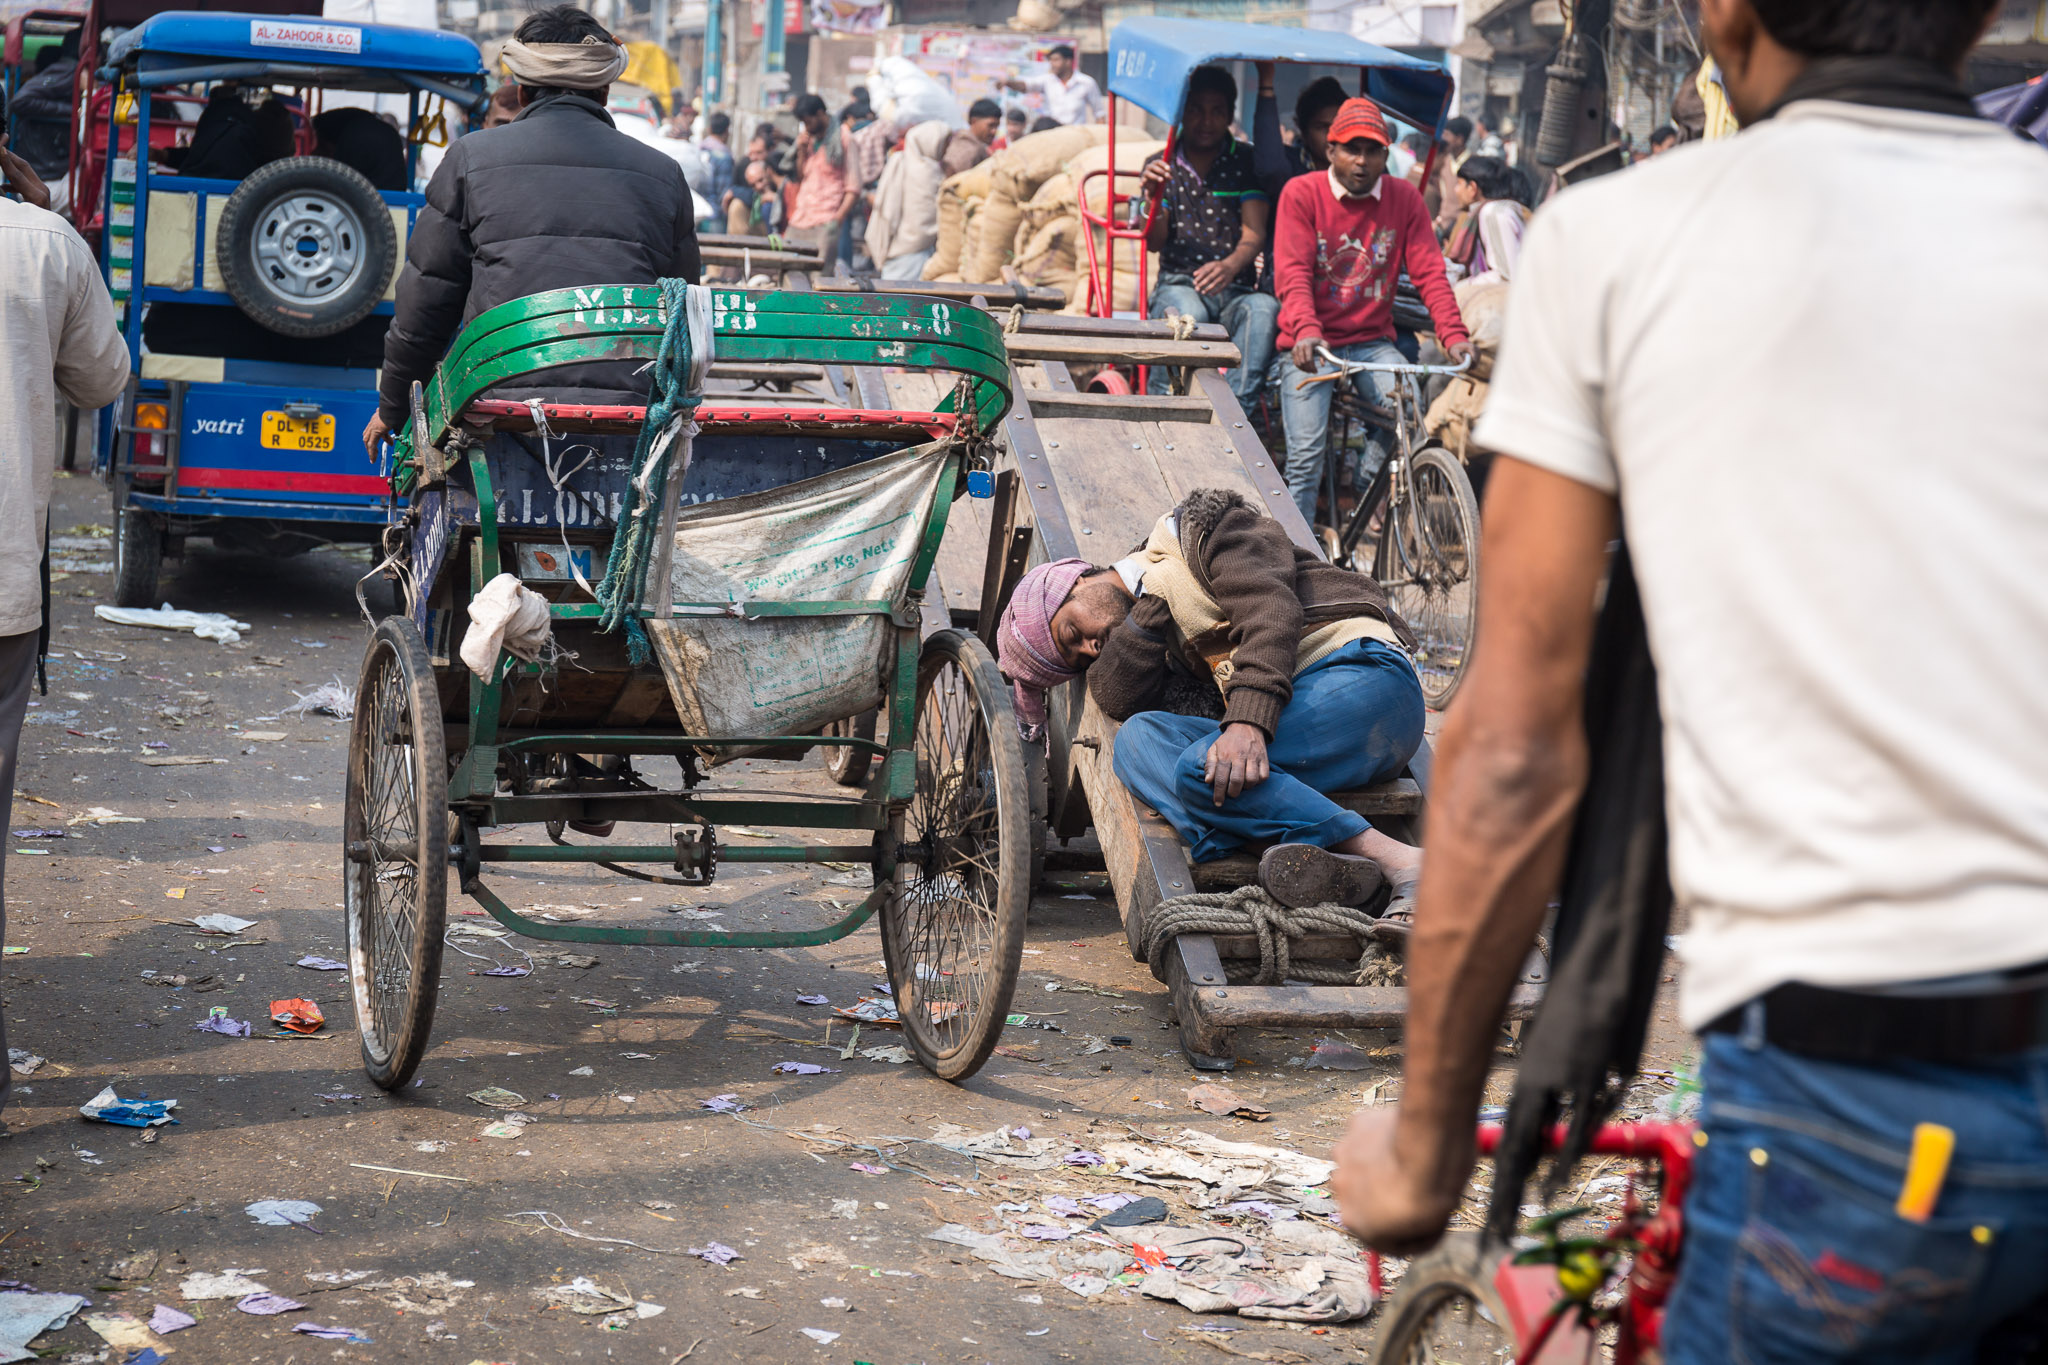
x,y
1360,117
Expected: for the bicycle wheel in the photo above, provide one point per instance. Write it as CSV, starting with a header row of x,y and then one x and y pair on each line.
x,y
849,767
953,927
395,852
1428,561
1446,1309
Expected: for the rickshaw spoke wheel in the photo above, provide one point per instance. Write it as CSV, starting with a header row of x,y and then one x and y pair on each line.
x,y
953,922
395,852
1428,561
1446,1310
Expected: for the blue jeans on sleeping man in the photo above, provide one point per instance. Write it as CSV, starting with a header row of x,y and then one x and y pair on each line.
x,y
1355,719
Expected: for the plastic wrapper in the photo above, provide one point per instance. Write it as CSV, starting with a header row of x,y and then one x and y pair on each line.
x,y
300,1016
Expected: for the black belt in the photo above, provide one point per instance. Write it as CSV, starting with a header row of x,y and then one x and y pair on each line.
x,y
1954,1020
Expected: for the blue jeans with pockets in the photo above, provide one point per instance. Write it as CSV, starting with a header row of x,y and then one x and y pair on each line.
x,y
1356,719
1251,318
1306,415
1794,1251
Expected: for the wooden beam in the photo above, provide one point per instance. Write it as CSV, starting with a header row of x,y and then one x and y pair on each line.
x,y
1120,407
1068,325
1119,350
999,295
1258,465
1228,1007
762,257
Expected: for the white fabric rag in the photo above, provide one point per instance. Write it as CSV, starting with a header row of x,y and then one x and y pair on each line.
x,y
505,614
207,625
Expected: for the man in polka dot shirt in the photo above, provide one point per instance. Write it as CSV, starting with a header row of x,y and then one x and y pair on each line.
x,y
1209,229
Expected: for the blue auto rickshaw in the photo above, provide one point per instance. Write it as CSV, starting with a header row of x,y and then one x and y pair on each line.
x,y
254,307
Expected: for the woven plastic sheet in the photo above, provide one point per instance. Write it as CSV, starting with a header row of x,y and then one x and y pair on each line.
x,y
851,535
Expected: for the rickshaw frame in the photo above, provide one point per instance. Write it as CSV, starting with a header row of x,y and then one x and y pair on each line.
x,y
1150,60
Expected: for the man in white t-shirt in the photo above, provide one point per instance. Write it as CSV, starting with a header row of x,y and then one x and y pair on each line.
x,y
1070,96
1803,369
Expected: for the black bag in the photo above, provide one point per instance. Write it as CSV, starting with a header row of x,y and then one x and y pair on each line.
x,y
1586,1041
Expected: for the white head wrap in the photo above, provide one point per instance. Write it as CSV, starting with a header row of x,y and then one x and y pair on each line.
x,y
588,65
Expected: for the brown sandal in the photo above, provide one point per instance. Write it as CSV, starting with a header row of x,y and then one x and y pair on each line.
x,y
1303,874
1397,921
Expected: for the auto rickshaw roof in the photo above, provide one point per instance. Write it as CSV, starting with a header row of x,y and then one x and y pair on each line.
x,y
1151,58
196,42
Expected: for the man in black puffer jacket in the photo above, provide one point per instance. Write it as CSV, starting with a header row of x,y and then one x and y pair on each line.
x,y
555,199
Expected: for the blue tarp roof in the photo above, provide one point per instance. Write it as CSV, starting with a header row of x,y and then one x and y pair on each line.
x,y
295,41
1150,58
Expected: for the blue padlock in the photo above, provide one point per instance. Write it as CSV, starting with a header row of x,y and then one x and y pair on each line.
x,y
980,483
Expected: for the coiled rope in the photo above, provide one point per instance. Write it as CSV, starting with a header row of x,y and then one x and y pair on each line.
x,y
1251,910
670,401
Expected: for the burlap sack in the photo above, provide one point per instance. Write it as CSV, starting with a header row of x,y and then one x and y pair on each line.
x,y
954,196
1021,168
1451,417
1050,256
1130,158
1484,308
1053,202
995,232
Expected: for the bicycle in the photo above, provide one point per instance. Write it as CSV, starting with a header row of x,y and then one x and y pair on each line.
x,y
1563,1299
1426,540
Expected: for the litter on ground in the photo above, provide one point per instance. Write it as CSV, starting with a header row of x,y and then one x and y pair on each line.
x,y
107,1107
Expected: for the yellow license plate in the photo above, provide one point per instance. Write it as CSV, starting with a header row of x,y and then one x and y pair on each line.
x,y
282,432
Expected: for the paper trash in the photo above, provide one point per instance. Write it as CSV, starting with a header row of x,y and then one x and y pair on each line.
x,y
24,1317
107,1107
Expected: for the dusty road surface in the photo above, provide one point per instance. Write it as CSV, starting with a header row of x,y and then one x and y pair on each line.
x,y
600,1210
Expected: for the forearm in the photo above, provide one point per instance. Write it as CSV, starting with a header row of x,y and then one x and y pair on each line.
x,y
1510,767
1500,817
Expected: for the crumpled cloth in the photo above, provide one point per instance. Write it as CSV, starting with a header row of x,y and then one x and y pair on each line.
x,y
207,625
1291,1289
1025,650
588,65
505,614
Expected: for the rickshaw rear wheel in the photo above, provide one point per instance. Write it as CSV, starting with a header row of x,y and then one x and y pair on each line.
x,y
395,852
848,766
953,923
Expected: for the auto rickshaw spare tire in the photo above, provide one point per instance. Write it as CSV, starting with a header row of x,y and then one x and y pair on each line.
x,y
307,247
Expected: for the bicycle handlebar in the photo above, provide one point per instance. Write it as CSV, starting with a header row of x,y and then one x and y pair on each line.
x,y
1388,367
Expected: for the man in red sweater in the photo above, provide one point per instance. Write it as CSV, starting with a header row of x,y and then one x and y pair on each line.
x,y
1340,241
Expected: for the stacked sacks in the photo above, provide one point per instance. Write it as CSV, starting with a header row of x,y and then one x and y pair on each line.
x,y
1130,159
1016,174
1047,247
957,196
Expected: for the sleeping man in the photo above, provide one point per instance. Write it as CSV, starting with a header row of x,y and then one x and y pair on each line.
x,y
1252,678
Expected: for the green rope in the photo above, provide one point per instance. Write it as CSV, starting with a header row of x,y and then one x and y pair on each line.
x,y
668,397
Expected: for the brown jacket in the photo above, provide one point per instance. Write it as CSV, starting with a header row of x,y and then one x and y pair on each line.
x,y
1273,592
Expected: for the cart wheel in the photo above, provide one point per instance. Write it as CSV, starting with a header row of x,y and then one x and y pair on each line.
x,y
1428,561
953,930
138,558
849,767
395,883
1447,1308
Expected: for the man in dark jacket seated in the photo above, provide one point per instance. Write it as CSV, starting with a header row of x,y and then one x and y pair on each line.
x,y
557,198
1251,678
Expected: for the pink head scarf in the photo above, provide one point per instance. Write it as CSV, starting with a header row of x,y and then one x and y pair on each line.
x,y
1024,645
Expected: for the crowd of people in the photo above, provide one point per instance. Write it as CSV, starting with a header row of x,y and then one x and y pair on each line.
x,y
1289,275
